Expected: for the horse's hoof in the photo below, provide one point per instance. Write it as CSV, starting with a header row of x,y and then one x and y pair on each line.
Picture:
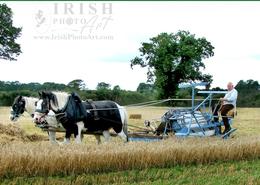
x,y
64,143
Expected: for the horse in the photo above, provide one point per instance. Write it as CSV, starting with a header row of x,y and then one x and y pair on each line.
x,y
23,104
20,105
76,115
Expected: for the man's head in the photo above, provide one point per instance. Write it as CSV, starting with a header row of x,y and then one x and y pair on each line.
x,y
230,86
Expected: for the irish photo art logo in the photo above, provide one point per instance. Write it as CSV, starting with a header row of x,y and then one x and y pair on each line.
x,y
75,21
40,19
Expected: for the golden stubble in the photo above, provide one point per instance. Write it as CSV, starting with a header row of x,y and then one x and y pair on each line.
x,y
22,157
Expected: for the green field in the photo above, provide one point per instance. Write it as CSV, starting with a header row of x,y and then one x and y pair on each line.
x,y
26,157
241,172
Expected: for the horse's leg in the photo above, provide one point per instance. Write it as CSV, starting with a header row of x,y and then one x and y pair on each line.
x,y
52,137
123,135
80,128
106,135
98,138
66,140
67,137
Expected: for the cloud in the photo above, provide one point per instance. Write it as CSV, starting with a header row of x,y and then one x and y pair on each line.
x,y
231,27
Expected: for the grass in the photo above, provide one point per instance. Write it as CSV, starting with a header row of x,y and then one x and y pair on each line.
x,y
241,172
36,159
25,121
172,161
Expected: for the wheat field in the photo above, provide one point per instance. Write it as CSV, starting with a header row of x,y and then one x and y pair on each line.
x,y
25,150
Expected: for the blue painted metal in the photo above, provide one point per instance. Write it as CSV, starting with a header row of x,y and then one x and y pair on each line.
x,y
212,92
197,121
226,135
192,85
143,139
193,126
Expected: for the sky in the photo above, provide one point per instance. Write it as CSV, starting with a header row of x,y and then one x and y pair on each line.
x,y
95,41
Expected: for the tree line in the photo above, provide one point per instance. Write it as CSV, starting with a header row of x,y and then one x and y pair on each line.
x,y
104,91
249,92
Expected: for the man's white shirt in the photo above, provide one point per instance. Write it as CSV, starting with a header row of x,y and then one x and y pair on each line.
x,y
231,97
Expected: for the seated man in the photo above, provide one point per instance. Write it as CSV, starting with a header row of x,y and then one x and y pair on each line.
x,y
227,104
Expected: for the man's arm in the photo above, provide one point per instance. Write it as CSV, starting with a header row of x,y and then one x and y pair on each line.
x,y
230,98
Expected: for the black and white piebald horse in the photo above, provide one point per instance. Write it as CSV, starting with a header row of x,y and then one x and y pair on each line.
x,y
23,104
76,115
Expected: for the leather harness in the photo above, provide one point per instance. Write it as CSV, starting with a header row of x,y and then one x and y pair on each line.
x,y
95,112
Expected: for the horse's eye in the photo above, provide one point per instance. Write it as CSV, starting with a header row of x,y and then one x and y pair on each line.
x,y
35,103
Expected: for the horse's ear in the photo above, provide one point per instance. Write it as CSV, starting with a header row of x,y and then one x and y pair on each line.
x,y
19,98
40,94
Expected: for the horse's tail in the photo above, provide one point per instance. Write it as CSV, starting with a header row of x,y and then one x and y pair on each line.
x,y
125,123
123,115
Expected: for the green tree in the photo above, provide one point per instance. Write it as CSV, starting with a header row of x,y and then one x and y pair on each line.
x,y
248,93
116,93
77,84
172,59
248,85
103,85
53,86
9,49
145,88
103,91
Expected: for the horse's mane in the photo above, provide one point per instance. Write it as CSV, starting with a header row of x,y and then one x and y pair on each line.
x,y
59,100
16,99
30,104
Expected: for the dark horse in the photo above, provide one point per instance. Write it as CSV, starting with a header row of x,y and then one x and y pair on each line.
x,y
76,115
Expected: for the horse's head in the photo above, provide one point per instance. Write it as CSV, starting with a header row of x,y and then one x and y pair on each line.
x,y
43,106
48,102
18,108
